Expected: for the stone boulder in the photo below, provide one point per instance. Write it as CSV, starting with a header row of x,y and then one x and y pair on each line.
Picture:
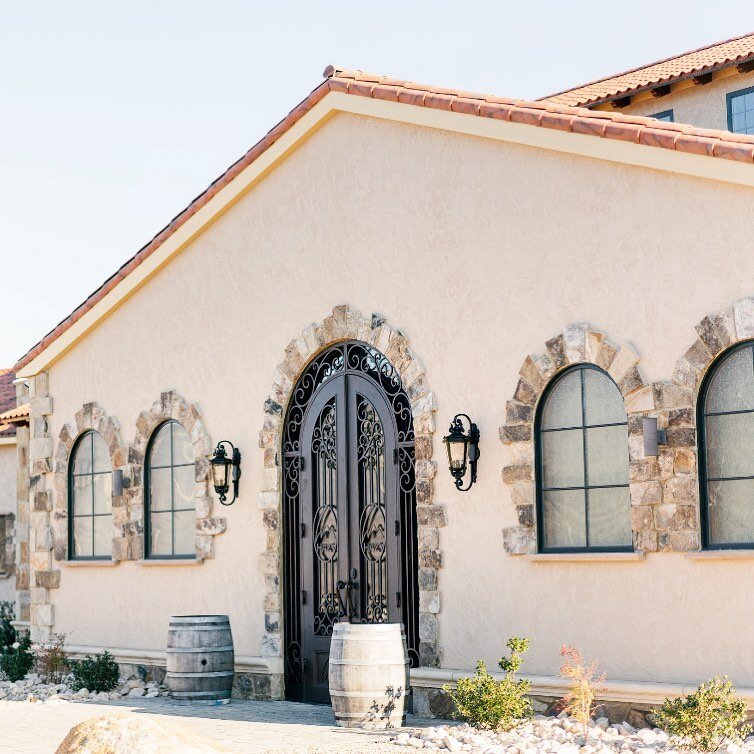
x,y
127,734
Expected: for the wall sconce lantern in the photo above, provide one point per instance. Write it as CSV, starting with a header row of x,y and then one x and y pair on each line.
x,y
226,470
653,437
463,450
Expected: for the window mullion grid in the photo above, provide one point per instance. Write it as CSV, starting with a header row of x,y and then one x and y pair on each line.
x,y
586,468
91,483
172,494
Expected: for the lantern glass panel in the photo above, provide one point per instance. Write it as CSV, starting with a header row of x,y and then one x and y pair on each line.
x,y
220,474
457,453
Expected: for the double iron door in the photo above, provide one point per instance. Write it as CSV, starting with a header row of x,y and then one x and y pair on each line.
x,y
350,521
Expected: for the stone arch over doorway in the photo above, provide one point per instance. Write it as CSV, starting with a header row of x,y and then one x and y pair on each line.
x,y
346,324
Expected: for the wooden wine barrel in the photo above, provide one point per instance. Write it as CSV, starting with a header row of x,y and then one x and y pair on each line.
x,y
200,658
369,675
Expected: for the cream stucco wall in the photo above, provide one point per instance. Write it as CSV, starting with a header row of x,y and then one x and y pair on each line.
x,y
703,106
478,251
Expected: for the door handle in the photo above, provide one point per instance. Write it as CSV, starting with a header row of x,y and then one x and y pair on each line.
x,y
349,587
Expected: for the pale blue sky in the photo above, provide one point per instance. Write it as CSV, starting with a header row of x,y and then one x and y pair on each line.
x,y
113,116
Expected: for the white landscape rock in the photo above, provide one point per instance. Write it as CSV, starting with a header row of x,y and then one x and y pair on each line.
x,y
34,689
551,735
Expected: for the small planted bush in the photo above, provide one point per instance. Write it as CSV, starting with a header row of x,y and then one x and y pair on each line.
x,y
585,684
705,719
52,660
98,673
486,702
17,659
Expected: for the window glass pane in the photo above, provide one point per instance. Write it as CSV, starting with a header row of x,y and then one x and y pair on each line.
x,y
185,531
729,450
82,495
607,455
183,487
604,402
182,450
737,104
82,461
730,445
563,458
101,453
732,386
103,492
160,497
731,512
103,535
564,519
161,535
82,537
563,407
159,454
610,517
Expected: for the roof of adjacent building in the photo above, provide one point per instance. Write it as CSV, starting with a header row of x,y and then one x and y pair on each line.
x,y
687,65
599,125
7,400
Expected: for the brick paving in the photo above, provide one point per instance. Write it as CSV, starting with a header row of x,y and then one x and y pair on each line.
x,y
242,726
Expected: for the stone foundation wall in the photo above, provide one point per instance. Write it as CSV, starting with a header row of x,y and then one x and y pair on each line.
x,y
259,687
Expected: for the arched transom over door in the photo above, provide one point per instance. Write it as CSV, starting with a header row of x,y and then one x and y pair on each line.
x,y
349,509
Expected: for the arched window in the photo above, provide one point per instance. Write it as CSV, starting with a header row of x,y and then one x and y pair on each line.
x,y
726,450
90,499
583,499
169,484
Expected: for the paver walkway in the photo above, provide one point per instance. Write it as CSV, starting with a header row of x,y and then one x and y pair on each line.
x,y
242,726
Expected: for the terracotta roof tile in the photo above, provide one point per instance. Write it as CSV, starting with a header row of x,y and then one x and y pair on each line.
x,y
694,63
550,115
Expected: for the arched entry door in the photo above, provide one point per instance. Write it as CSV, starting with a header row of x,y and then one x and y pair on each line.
x,y
349,513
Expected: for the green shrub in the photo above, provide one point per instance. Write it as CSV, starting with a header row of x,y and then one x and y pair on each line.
x,y
486,702
704,719
17,659
98,673
8,634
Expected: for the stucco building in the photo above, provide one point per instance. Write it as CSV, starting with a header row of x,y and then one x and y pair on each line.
x,y
388,256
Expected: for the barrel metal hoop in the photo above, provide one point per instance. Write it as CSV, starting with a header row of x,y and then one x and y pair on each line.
x,y
198,650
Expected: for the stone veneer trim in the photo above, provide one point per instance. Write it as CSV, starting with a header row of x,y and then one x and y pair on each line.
x,y
348,324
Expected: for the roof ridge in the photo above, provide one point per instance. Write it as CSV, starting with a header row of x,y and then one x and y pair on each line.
x,y
572,119
647,65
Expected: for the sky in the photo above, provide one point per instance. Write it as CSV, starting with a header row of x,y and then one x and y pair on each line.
x,y
113,116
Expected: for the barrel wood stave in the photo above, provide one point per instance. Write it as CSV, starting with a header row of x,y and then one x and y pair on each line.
x,y
200,658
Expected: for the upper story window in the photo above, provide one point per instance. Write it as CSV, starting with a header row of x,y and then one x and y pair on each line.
x,y
666,115
90,500
582,464
726,450
741,111
169,484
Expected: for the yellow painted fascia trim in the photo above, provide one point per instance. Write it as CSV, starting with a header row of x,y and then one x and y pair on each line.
x,y
623,152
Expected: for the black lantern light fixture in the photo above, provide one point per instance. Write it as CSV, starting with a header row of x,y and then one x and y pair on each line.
x,y
463,450
226,470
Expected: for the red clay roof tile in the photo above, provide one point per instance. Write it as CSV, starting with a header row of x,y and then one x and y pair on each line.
x,y
689,64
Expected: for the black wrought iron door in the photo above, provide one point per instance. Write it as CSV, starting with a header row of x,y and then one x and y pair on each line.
x,y
350,497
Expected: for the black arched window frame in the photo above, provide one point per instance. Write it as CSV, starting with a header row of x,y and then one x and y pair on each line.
x,y
701,439
87,436
539,466
148,496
